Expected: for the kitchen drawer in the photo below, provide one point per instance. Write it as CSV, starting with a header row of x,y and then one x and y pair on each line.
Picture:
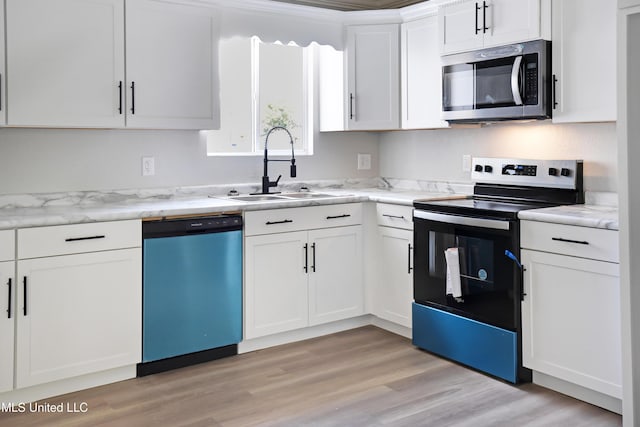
x,y
306,218
395,216
7,245
584,242
77,238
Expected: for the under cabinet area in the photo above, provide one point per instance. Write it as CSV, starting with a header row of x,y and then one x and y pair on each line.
x,y
469,25
394,279
7,308
78,300
303,267
571,308
170,67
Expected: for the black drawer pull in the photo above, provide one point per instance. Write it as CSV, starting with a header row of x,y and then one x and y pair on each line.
x,y
284,221
133,97
560,239
313,252
409,259
77,239
393,216
339,216
306,258
9,300
120,98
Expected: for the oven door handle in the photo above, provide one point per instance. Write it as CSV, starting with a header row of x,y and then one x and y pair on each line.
x,y
495,224
515,84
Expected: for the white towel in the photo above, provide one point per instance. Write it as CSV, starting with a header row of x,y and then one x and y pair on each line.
x,y
454,288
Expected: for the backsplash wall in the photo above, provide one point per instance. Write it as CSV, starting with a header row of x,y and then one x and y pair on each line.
x,y
58,160
437,154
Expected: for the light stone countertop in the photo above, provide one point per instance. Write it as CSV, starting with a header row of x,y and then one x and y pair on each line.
x,y
16,216
593,216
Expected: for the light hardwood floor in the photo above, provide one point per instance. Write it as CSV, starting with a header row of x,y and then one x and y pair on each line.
x,y
361,377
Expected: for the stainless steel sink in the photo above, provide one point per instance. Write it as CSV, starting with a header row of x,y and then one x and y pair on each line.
x,y
306,195
257,198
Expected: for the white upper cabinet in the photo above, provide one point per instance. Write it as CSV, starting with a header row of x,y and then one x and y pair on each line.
x,y
584,60
372,98
3,71
468,25
421,81
66,62
171,66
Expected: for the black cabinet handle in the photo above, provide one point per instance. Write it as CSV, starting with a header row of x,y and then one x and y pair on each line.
x,y
77,239
133,97
284,221
393,216
484,17
553,92
306,258
9,300
579,242
350,106
477,9
120,97
339,216
24,289
313,257
409,259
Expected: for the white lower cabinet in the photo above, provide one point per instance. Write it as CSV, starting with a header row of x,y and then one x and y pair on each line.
x,y
7,308
571,309
80,312
303,271
394,288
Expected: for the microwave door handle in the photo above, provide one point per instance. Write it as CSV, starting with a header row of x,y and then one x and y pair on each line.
x,y
515,86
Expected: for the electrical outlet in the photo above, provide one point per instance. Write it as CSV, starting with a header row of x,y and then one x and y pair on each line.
x,y
148,166
364,161
466,163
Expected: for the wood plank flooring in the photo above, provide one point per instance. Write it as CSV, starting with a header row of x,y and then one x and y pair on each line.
x,y
361,377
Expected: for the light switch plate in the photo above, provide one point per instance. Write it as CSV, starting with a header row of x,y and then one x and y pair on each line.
x,y
148,166
466,163
364,161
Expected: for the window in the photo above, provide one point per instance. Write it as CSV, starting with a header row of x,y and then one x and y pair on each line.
x,y
263,85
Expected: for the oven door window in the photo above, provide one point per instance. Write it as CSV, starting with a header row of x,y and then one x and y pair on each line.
x,y
488,279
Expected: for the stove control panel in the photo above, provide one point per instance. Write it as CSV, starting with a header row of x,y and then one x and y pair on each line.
x,y
536,173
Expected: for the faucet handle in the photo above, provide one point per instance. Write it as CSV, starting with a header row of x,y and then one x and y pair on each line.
x,y
275,183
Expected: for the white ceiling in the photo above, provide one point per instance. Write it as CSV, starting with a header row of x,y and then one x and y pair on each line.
x,y
354,4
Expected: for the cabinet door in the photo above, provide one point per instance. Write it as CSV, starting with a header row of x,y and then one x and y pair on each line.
x,y
3,71
394,293
460,27
66,61
171,66
372,98
7,318
335,274
571,320
510,21
421,75
584,37
275,283
79,314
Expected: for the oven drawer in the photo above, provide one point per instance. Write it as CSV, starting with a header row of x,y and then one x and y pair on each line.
x,y
395,216
583,242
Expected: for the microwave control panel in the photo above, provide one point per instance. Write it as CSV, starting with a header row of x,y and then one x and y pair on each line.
x,y
536,173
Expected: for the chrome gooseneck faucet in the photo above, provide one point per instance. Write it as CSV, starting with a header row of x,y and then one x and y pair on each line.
x,y
266,183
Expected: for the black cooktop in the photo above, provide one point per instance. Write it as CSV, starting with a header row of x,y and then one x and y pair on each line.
x,y
481,207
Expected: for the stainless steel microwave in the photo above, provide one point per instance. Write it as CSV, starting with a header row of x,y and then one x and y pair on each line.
x,y
511,82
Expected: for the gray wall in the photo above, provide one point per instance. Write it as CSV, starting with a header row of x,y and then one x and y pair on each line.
x,y
437,154
49,160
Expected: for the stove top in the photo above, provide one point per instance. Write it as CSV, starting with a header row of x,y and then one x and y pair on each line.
x,y
504,187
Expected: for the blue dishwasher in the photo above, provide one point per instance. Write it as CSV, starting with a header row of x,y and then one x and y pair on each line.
x,y
192,291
